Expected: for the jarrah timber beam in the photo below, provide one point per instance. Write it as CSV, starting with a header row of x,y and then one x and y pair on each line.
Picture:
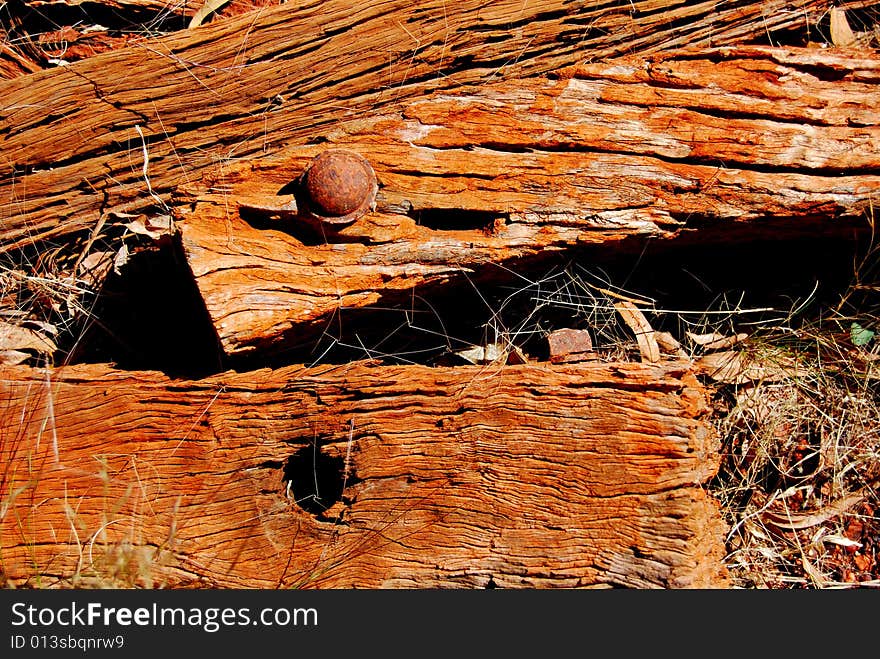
x,y
117,132
695,142
509,476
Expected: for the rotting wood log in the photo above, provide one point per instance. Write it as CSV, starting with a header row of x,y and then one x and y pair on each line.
x,y
119,131
45,34
524,476
694,142
68,36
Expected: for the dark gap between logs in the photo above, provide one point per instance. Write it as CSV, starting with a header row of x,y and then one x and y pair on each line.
x,y
152,317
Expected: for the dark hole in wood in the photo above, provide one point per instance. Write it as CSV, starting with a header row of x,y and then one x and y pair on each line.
x,y
442,219
260,219
314,479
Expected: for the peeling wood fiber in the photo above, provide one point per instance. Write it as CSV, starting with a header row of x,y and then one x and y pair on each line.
x,y
691,143
74,138
527,476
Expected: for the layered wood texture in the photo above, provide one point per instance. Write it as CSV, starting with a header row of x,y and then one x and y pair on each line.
x,y
500,132
526,476
119,131
702,143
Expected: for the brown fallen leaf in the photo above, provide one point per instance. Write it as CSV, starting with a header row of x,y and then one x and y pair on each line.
x,y
209,7
93,269
703,339
12,357
492,353
789,522
670,344
640,326
840,540
120,259
17,338
716,341
841,33
735,367
152,227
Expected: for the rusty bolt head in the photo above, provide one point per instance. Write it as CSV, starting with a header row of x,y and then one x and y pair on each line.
x,y
338,187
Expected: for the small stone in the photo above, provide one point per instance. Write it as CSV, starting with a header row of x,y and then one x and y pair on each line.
x,y
570,345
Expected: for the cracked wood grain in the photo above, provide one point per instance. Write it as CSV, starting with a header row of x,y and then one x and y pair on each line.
x,y
525,476
249,85
707,142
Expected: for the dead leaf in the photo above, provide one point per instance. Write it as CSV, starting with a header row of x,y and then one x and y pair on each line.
x,y
153,227
480,354
491,353
841,540
120,259
735,367
206,10
17,338
841,33
799,522
12,357
703,339
516,356
669,343
640,326
716,341
93,269
729,367
43,326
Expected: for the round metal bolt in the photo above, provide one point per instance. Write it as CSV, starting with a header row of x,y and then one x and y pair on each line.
x,y
338,186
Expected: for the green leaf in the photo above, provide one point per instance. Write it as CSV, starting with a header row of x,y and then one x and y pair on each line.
x,y
860,335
